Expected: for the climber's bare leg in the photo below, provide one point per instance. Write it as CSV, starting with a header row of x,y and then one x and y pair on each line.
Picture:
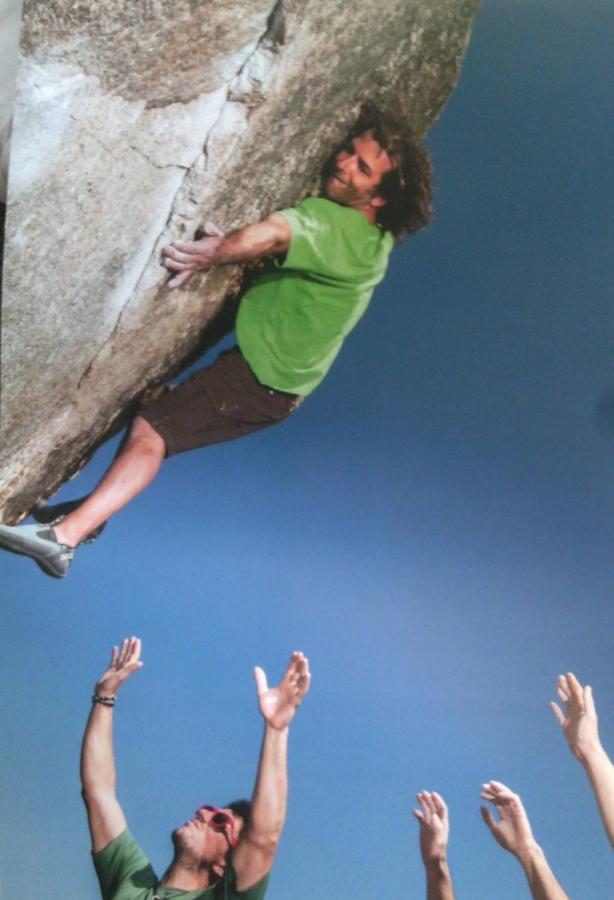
x,y
135,465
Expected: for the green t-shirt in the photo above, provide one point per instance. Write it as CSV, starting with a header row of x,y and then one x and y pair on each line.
x,y
125,873
294,318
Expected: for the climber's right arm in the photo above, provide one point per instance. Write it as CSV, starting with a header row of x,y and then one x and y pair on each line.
x,y
271,237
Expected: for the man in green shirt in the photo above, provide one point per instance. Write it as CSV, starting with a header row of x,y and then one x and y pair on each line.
x,y
325,257
220,853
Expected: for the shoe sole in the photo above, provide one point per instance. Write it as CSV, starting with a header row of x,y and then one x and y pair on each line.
x,y
15,544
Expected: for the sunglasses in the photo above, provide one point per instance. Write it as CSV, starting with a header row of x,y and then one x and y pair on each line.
x,y
220,821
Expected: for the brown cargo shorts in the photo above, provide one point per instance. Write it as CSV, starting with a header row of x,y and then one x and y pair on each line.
x,y
218,403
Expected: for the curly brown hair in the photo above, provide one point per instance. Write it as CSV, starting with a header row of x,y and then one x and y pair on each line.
x,y
407,187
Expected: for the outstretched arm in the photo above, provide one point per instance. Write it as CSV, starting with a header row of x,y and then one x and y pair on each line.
x,y
255,851
579,724
269,237
513,832
434,831
105,816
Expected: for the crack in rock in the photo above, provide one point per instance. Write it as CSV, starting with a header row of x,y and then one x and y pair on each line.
x,y
136,149
243,87
158,165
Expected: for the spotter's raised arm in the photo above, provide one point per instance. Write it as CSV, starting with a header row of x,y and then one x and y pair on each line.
x,y
258,842
512,831
105,816
578,719
434,832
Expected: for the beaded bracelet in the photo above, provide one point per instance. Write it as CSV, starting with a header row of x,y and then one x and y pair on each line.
x,y
105,701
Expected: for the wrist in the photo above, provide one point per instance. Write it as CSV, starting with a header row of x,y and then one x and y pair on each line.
x,y
107,700
438,877
104,690
273,729
437,867
590,753
529,854
218,254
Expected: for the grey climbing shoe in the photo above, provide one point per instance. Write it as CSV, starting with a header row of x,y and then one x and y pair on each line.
x,y
40,544
51,515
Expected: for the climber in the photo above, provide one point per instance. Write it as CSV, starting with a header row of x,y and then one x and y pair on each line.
x,y
222,852
326,256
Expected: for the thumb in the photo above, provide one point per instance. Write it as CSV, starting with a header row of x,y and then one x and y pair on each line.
x,y
260,679
418,814
180,279
557,712
588,699
212,229
487,816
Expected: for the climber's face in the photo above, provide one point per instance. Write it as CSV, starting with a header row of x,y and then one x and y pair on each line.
x,y
353,176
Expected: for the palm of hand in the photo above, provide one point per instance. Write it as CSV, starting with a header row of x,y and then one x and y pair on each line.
x,y
579,720
110,681
434,826
205,249
124,661
513,830
433,839
580,728
278,704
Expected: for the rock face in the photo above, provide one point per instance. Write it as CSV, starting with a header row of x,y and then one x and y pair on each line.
x,y
136,122
10,18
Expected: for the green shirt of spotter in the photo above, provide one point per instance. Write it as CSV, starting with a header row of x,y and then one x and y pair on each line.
x,y
125,873
294,318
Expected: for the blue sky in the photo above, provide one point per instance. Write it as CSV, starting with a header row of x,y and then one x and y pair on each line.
x,y
433,528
